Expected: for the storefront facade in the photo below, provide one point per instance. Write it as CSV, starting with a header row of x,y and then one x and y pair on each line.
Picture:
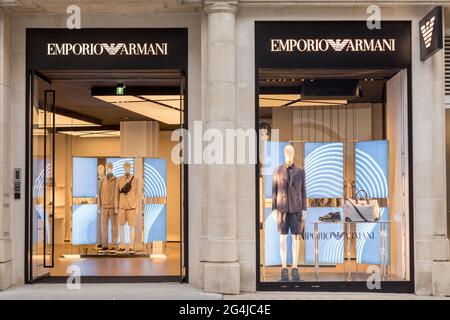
x,y
223,85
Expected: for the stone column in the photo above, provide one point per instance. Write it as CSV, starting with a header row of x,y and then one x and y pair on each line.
x,y
440,269
220,250
5,180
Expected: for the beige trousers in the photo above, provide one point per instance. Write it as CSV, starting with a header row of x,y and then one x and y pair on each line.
x,y
108,214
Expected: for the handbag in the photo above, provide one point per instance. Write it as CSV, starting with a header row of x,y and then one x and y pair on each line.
x,y
361,209
126,187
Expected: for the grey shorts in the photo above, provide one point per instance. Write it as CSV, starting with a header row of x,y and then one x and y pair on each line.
x,y
289,221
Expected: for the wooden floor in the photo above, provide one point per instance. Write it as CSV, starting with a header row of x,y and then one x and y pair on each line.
x,y
117,266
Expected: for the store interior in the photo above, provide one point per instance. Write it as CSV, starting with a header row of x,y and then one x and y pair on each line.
x,y
94,131
348,129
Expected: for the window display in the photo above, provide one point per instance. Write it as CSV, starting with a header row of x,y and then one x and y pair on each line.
x,y
326,173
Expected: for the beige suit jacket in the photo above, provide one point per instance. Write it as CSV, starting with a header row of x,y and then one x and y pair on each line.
x,y
106,192
129,200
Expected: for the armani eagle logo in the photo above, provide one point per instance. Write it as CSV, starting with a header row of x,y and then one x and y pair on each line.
x,y
338,44
427,31
113,48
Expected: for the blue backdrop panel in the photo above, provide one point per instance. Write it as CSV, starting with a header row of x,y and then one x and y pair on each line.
x,y
39,176
84,185
84,173
368,243
155,186
324,169
118,165
372,168
372,171
273,153
331,238
272,240
84,224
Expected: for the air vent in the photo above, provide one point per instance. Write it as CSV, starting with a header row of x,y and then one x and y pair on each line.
x,y
447,71
330,89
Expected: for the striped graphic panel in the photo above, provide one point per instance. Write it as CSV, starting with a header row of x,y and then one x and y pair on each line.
x,y
372,176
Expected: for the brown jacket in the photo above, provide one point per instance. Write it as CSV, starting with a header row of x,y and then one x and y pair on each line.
x,y
106,192
288,195
129,200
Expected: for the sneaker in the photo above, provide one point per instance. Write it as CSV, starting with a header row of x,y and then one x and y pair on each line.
x,y
104,249
284,274
112,250
132,251
295,275
98,247
121,250
331,217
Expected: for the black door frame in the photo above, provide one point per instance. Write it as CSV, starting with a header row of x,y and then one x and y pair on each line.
x,y
34,62
336,286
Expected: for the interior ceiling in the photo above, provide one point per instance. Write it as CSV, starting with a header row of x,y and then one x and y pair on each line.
x,y
371,81
73,91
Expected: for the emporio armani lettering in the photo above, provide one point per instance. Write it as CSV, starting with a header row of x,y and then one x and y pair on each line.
x,y
97,49
322,45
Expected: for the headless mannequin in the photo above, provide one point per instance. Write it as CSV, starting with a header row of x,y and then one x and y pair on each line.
x,y
107,204
127,169
101,175
289,160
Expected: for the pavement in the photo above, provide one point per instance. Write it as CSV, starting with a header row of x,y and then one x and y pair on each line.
x,y
176,291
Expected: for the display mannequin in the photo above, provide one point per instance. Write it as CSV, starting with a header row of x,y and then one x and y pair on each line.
x,y
100,176
289,205
107,203
125,207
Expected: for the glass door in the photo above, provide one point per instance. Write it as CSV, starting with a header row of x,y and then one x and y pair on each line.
x,y
183,166
41,223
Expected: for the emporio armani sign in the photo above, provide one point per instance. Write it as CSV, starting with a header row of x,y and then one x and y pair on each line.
x,y
427,32
338,45
113,49
431,33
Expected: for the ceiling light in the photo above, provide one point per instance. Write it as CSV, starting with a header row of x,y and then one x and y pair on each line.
x,y
277,100
62,121
318,103
93,134
112,98
173,101
153,110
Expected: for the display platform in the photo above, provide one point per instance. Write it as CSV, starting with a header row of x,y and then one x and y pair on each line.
x,y
115,255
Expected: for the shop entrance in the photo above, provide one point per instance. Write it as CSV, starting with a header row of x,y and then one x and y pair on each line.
x,y
334,172
106,197
91,130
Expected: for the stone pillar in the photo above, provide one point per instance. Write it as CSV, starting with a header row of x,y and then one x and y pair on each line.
x,y
440,269
5,132
220,250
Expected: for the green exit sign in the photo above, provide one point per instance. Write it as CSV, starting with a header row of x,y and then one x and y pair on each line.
x,y
120,90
